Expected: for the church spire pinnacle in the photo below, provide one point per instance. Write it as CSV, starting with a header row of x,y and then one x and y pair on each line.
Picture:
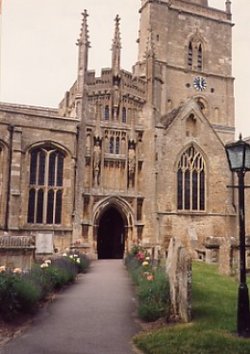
x,y
83,44
228,6
116,48
84,34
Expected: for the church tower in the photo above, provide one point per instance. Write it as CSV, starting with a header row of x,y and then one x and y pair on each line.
x,y
185,58
193,58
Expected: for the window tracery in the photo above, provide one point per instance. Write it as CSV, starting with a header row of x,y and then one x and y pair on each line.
x,y
191,181
45,186
195,53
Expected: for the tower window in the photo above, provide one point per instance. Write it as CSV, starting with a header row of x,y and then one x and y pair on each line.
x,y
199,58
191,181
46,186
190,55
195,53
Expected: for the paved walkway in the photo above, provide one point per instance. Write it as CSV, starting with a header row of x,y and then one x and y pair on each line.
x,y
94,316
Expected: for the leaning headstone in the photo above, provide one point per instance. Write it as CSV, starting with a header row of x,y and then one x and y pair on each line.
x,y
179,270
44,243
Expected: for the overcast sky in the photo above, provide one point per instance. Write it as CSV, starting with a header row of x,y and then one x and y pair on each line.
x,y
39,55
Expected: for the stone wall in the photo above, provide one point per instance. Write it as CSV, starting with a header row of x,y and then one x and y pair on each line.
x,y
179,270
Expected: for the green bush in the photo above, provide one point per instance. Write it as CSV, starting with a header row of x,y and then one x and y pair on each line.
x,y
84,264
17,294
67,267
151,284
149,312
27,295
21,292
153,296
8,300
41,280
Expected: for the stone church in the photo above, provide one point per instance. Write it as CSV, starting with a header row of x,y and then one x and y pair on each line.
x,y
130,157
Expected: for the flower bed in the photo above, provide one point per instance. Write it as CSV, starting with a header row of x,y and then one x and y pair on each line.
x,y
21,292
151,284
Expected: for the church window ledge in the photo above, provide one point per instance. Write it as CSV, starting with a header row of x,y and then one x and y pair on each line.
x,y
109,156
37,227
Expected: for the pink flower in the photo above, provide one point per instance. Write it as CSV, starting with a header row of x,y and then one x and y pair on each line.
x,y
150,277
140,256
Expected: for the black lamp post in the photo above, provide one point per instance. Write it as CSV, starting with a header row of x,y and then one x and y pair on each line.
x,y
238,155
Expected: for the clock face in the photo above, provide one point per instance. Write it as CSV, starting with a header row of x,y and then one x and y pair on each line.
x,y
200,83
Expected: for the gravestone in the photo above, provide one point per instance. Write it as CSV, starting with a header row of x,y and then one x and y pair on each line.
x,y
179,270
44,243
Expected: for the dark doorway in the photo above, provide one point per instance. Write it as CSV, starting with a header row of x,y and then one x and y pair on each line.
x,y
110,238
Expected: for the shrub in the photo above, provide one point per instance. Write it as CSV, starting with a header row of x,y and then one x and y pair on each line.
x,y
8,301
152,285
153,295
84,264
27,295
40,279
17,294
21,292
67,267
80,261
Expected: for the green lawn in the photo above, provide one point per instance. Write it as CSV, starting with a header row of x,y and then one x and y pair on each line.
x,y
213,329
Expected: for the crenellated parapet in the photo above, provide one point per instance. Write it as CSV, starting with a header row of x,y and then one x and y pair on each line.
x,y
130,88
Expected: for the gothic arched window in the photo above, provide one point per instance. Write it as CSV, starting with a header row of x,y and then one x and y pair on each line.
x,y
45,186
106,112
195,53
199,57
191,181
117,145
124,115
111,145
190,55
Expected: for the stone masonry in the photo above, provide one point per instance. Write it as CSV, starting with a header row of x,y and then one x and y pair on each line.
x,y
130,157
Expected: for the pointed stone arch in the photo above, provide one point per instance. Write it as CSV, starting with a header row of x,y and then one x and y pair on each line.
x,y
191,174
113,223
195,51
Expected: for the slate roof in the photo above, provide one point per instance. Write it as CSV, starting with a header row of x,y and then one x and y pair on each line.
x,y
167,119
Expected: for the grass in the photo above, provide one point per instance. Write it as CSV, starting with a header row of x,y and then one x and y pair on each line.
x,y
213,329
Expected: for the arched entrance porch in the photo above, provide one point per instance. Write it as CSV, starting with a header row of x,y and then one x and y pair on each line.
x,y
113,227
111,235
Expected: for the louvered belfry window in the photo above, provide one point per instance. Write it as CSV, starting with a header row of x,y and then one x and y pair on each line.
x,y
45,186
191,181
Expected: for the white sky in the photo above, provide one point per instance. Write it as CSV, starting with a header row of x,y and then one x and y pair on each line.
x,y
39,56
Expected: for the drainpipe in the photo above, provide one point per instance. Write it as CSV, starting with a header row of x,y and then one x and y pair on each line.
x,y
11,130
